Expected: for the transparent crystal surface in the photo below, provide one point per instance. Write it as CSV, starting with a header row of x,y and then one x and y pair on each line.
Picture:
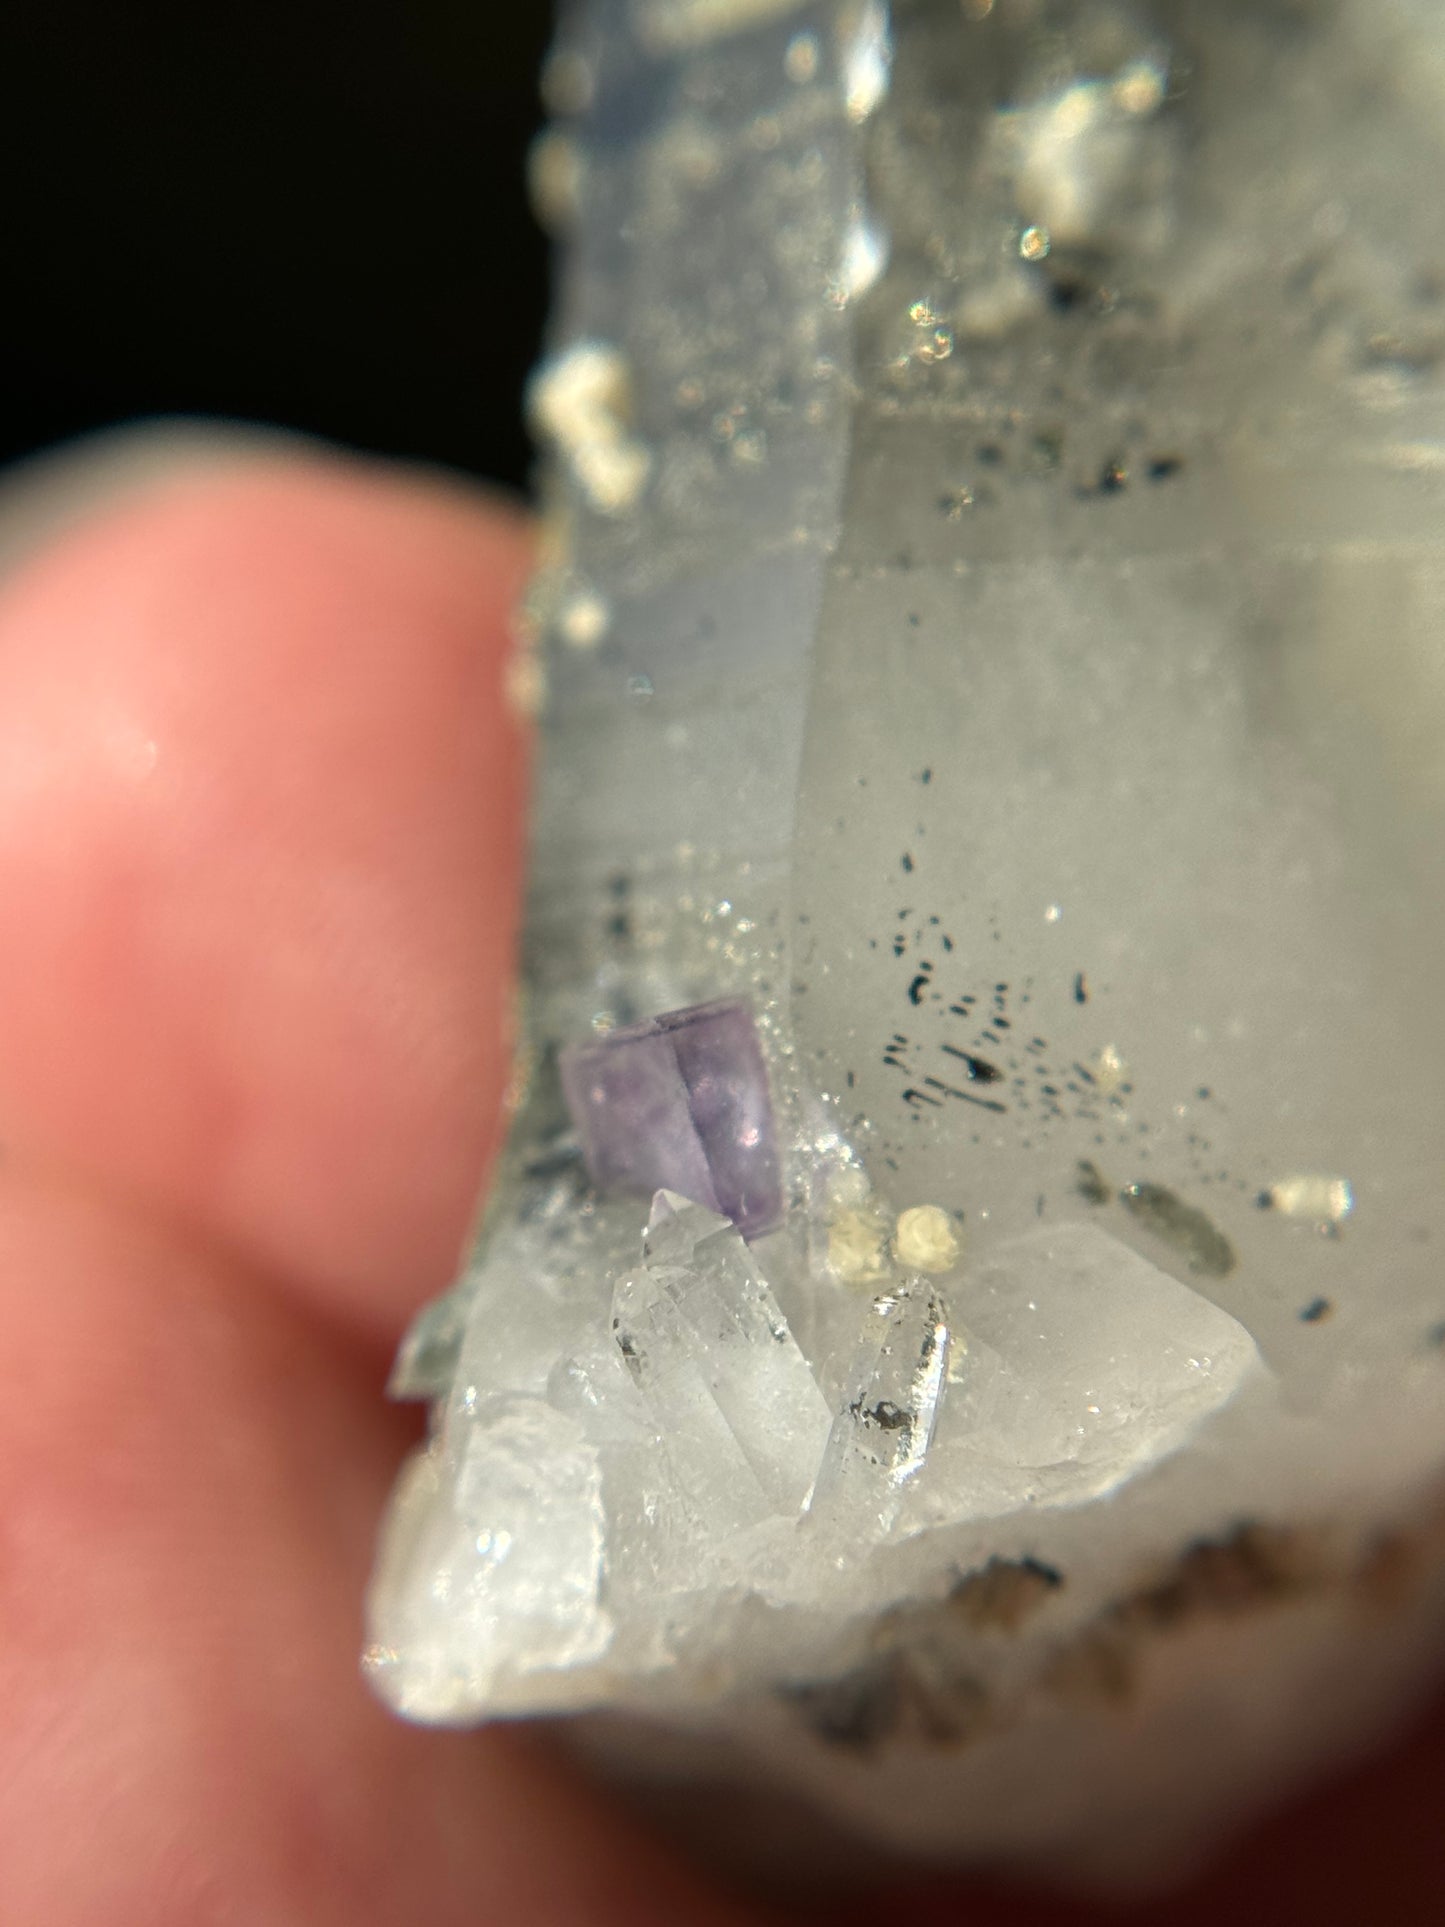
x,y
881,1437
734,1399
992,639
1083,1363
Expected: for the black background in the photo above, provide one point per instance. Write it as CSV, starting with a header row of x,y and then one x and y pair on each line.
x,y
312,214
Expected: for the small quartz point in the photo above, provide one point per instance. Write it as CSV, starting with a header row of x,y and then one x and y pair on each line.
x,y
985,898
880,1439
734,1398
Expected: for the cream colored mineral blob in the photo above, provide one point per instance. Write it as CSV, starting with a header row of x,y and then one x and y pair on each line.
x,y
1325,1200
925,1238
581,402
858,1246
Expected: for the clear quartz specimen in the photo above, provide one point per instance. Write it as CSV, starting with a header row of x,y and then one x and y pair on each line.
x,y
992,640
734,1399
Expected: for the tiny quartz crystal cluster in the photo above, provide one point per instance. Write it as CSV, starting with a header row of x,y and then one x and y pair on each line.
x,y
958,1336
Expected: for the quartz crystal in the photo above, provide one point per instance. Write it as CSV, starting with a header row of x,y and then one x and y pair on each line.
x,y
735,1402
958,1336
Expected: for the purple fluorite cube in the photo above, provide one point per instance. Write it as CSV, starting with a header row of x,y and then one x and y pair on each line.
x,y
680,1103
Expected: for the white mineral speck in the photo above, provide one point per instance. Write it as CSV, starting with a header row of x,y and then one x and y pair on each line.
x,y
1324,1199
581,401
1034,243
1139,88
1108,1069
924,1239
584,620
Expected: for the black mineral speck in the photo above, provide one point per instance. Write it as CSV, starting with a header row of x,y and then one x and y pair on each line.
x,y
906,863
1081,988
1113,477
980,1070
1164,468
887,1416
1316,1311
1068,292
1090,1183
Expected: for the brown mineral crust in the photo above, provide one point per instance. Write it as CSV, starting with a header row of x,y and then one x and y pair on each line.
x,y
1004,1594
1255,1565
1253,1569
1392,1571
922,1698
1097,1668
917,1687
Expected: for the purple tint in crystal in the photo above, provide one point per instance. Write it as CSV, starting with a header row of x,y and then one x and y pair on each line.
x,y
680,1103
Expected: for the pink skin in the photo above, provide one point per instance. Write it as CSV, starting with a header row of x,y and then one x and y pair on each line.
x,y
259,850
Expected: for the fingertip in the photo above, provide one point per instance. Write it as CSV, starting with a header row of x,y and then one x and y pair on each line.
x,y
260,833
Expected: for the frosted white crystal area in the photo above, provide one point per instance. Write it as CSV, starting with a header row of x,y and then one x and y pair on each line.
x,y
491,1566
1082,1365
991,650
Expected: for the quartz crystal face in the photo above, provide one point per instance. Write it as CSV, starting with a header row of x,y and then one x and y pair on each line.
x,y
961,1312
